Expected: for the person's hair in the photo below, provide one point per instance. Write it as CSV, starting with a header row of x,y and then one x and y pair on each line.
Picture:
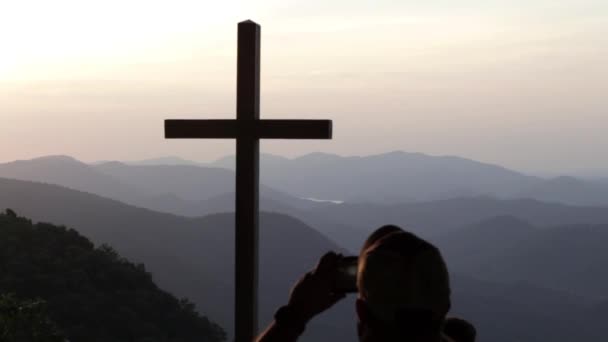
x,y
379,234
404,282
459,330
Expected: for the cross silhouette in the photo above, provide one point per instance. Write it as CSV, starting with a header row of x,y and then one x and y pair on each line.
x,y
247,129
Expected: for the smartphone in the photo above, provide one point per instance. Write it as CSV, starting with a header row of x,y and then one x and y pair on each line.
x,y
346,275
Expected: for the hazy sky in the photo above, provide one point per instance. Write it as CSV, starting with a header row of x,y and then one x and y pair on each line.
x,y
519,83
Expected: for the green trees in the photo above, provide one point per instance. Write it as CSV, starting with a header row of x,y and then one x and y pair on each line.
x,y
92,294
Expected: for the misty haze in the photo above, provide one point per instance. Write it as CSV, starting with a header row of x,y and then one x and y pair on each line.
x,y
479,127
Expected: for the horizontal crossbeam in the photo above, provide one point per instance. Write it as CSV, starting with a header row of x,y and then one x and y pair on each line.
x,y
197,129
260,129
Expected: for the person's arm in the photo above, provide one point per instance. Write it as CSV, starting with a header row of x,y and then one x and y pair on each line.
x,y
286,327
310,296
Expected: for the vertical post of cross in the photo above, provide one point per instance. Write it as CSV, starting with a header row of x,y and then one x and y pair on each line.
x,y
248,129
247,181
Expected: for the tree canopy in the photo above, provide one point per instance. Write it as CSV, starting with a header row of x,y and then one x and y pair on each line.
x,y
61,280
26,320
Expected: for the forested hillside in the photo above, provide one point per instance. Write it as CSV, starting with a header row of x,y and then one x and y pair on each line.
x,y
90,294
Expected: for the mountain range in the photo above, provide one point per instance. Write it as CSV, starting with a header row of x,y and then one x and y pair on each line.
x,y
180,189
399,177
194,257
179,186
506,248
184,188
434,218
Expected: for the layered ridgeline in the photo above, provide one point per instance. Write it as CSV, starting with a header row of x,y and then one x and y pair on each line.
x,y
187,190
435,218
194,258
555,275
191,189
398,177
55,284
571,258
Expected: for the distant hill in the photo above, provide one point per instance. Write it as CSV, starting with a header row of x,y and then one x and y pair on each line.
x,y
169,160
468,246
569,258
195,184
568,190
523,312
534,279
179,189
391,177
433,218
92,294
71,173
399,177
188,182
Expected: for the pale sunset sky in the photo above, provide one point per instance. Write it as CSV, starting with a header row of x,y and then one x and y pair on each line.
x,y
519,83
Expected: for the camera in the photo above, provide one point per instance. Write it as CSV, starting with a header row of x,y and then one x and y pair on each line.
x,y
346,275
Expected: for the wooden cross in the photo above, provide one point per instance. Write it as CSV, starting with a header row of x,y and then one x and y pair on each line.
x,y
247,129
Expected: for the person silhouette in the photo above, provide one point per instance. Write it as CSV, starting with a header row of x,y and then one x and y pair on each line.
x,y
403,292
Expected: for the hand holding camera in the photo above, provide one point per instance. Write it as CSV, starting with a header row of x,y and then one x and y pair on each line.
x,y
321,288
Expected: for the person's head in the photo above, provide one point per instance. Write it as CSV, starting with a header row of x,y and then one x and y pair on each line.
x,y
404,289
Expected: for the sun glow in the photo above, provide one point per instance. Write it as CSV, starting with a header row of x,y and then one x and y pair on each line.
x,y
43,37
